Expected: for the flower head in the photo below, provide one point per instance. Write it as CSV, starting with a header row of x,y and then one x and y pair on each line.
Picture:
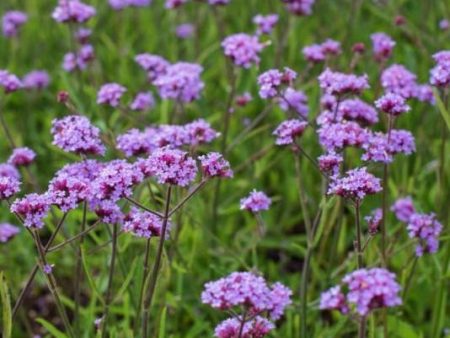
x,y
9,186
242,49
403,208
76,134
426,228
288,130
22,157
200,132
154,65
66,192
143,224
143,101
329,163
374,221
334,299
295,100
185,31
9,82
355,185
265,23
33,208
257,201
37,79
440,74
392,104
336,136
256,327
336,83
73,11
382,45
398,80
7,232
270,81
214,165
110,94
299,7
12,21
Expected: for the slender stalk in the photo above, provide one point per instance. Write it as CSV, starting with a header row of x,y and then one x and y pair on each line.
x,y
30,279
74,238
144,277
108,297
6,130
188,197
410,277
304,293
51,282
241,328
150,289
78,273
143,207
362,321
302,197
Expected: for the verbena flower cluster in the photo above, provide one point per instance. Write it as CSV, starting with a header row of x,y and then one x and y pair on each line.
x,y
255,202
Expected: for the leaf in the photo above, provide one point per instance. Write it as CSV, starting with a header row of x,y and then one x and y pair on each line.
x,y
51,328
445,114
6,307
162,324
401,328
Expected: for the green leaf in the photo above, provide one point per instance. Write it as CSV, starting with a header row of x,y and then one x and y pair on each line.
x,y
51,328
162,324
6,307
401,328
445,114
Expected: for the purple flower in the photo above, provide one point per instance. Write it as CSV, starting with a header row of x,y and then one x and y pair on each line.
x,y
12,21
9,186
329,163
37,79
382,45
134,143
265,23
288,130
107,211
76,134
47,268
79,60
427,230
336,83
242,49
355,185
171,4
200,132
82,35
357,110
214,165
270,81
143,101
334,299
143,224
403,208
33,208
314,53
370,289
392,104
172,136
8,170
295,100
256,327
154,65
331,47
86,170
337,136
440,74
66,192
250,290
7,232
185,31
172,166
374,221
257,201
299,7
399,80
444,24
244,99
73,11
110,94
115,181
9,82
378,149
22,157
401,142
181,81
218,2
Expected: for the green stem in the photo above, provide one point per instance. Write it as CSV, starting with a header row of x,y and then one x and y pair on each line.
x,y
150,289
78,273
144,277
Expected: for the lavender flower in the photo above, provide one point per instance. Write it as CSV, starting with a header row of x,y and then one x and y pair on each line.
x,y
218,2
265,23
257,201
299,7
22,157
76,134
250,290
37,79
8,170
200,132
295,100
288,130
9,82
143,224
143,101
336,136
392,104
171,4
172,166
444,24
398,80
73,11
185,31
242,49
243,99
33,208
334,299
355,185
427,230
12,21
329,163
214,165
66,192
256,327
7,232
314,53
357,110
440,74
110,94
181,81
374,221
335,83
134,143
382,45
154,65
403,208
107,211
270,81
9,186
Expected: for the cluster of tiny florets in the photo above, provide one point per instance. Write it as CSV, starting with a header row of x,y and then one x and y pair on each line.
x,y
356,184
143,223
255,202
214,165
243,49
